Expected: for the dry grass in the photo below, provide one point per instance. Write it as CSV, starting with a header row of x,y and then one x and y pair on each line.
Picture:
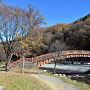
x,y
29,71
16,81
16,77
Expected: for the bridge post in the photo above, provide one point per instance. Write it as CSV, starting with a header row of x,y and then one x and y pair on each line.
x,y
73,60
77,59
70,60
81,59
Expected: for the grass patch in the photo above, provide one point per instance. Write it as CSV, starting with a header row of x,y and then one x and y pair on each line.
x,y
2,64
30,71
80,85
16,81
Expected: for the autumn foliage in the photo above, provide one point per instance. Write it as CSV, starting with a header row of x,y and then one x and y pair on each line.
x,y
20,31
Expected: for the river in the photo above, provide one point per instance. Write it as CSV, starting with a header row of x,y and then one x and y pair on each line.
x,y
79,73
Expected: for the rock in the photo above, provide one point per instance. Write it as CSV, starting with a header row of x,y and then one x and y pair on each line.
x,y
64,75
60,75
2,88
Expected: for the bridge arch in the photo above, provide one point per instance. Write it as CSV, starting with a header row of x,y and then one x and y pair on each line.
x,y
66,54
44,59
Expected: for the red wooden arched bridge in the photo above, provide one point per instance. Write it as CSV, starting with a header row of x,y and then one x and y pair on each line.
x,y
46,58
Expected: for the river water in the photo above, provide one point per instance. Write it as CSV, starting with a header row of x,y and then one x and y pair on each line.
x,y
79,73
80,77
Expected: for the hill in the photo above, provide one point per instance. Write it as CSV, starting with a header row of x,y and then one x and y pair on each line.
x,y
82,19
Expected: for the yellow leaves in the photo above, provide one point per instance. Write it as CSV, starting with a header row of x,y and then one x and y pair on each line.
x,y
23,45
45,40
41,14
17,25
45,23
15,13
28,4
10,16
38,17
36,45
18,37
32,43
16,54
43,18
40,36
22,27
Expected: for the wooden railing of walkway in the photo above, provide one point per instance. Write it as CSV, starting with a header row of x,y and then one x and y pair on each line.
x,y
51,55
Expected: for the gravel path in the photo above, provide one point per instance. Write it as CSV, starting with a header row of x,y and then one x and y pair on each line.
x,y
56,83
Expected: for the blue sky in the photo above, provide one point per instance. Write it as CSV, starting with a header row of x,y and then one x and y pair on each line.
x,y
56,11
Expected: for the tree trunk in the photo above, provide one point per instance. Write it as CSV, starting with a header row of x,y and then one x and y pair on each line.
x,y
23,63
8,62
55,67
7,65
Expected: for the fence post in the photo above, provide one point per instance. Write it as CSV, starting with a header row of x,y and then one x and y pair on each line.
x,y
23,63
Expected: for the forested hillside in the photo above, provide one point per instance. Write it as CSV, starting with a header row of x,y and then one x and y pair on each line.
x,y
78,36
65,36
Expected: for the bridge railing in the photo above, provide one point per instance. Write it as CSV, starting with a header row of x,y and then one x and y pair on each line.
x,y
50,55
16,63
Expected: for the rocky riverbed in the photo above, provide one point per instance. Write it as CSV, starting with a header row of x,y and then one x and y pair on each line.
x,y
79,73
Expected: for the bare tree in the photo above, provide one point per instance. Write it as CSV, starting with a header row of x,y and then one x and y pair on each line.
x,y
57,47
16,21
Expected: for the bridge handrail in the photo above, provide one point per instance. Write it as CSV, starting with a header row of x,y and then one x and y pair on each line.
x,y
55,54
50,55
62,55
15,63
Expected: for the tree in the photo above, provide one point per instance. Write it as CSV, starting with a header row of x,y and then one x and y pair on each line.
x,y
57,47
16,21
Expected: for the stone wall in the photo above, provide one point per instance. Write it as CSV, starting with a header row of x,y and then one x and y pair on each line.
x,y
27,65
